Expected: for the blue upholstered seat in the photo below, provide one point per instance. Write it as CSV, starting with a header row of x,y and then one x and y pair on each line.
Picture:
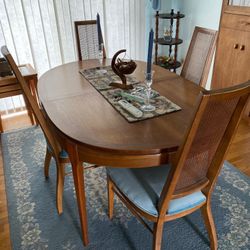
x,y
143,187
63,153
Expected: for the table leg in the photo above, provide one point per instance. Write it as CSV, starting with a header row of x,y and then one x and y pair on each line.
x,y
78,174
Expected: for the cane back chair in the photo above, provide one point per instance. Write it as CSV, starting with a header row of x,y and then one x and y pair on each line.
x,y
87,40
199,56
53,147
171,191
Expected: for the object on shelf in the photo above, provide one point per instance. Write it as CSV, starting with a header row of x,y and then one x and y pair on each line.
x,y
122,68
167,35
165,59
168,62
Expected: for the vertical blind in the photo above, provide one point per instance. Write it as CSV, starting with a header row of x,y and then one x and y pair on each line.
x,y
41,32
240,2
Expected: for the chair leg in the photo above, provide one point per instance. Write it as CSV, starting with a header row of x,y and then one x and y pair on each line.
x,y
209,222
60,186
110,197
157,234
29,111
48,157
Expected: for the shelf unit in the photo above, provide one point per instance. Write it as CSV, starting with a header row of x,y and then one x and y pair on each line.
x,y
170,41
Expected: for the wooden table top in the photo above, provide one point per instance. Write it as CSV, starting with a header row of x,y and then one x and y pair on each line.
x,y
80,112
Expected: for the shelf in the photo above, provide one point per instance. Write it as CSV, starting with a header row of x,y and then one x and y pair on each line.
x,y
171,16
170,66
173,42
172,50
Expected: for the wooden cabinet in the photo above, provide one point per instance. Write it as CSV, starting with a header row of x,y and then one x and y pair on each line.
x,y
242,58
232,64
232,59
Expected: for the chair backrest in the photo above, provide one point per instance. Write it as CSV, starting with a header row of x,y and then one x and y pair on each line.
x,y
200,157
87,40
199,56
32,103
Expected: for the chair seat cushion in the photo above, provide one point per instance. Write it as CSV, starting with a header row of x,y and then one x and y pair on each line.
x,y
63,154
143,187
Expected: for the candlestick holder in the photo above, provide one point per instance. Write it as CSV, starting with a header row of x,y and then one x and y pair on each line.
x,y
147,107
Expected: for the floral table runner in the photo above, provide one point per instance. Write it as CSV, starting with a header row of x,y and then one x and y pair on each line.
x,y
101,77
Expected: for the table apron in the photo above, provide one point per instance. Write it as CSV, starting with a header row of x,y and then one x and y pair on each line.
x,y
127,160
102,157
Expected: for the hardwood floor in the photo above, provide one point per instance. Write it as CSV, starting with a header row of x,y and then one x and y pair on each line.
x,y
4,225
239,151
238,155
14,122
21,120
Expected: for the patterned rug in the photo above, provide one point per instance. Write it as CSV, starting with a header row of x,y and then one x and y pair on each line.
x,y
34,223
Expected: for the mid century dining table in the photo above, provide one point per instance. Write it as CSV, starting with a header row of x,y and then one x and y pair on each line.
x,y
92,131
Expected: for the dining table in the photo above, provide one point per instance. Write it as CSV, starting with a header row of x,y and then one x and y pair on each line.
x,y
91,130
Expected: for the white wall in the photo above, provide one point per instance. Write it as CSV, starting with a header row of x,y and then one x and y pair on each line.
x,y
197,13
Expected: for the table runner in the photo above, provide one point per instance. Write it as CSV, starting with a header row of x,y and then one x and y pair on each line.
x,y
101,77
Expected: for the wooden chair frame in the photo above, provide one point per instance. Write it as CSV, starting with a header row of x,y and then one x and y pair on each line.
x,y
50,136
79,23
205,72
206,185
55,147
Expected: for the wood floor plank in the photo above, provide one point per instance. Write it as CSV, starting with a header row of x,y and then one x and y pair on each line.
x,y
4,222
239,151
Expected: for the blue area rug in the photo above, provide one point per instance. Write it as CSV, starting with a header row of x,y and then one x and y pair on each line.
x,y
35,224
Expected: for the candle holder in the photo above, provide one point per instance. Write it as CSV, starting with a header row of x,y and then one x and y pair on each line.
x,y
147,107
100,49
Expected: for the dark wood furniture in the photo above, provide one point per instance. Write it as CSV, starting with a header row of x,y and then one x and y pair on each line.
x,y
91,130
173,41
9,86
199,56
87,40
189,179
232,57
